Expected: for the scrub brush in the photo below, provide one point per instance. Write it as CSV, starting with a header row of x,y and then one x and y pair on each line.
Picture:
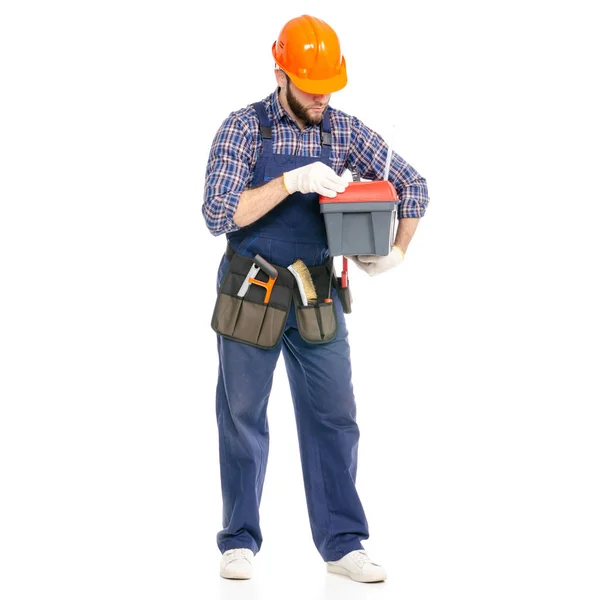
x,y
300,271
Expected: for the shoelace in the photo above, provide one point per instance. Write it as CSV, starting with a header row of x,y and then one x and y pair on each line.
x,y
361,557
238,553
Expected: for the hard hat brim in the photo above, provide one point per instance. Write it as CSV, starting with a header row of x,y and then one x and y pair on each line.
x,y
325,86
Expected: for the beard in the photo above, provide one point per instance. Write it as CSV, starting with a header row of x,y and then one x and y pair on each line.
x,y
300,112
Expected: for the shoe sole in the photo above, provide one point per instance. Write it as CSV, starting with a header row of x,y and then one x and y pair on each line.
x,y
360,578
226,575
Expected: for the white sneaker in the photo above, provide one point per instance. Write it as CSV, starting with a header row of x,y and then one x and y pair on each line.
x,y
237,563
358,566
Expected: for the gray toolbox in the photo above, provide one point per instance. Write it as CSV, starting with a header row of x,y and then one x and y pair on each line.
x,y
362,219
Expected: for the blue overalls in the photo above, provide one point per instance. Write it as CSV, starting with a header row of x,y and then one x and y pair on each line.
x,y
319,377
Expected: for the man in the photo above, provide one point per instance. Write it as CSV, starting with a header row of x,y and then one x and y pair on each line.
x,y
267,166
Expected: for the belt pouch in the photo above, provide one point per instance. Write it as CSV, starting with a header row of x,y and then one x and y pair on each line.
x,y
345,296
317,323
249,319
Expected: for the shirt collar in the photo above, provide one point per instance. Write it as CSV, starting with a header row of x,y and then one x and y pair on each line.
x,y
278,111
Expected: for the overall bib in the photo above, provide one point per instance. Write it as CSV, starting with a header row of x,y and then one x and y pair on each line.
x,y
319,377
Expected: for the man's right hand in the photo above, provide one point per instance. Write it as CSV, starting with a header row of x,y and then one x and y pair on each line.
x,y
314,178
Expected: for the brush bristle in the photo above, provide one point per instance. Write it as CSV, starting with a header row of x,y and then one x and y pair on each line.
x,y
307,282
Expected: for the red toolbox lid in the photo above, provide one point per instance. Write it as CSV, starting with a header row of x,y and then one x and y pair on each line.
x,y
365,191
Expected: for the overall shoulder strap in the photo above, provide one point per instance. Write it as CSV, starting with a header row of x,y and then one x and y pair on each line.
x,y
325,136
265,126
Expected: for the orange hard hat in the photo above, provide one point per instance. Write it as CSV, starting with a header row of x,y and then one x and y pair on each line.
x,y
308,50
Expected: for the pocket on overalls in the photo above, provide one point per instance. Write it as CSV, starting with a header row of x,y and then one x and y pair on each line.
x,y
249,319
317,323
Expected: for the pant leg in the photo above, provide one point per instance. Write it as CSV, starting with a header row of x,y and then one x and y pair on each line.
x,y
243,388
321,386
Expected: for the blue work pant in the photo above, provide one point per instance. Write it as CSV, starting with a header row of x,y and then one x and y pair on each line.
x,y
325,411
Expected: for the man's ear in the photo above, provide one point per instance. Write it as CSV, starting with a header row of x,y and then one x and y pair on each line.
x,y
280,76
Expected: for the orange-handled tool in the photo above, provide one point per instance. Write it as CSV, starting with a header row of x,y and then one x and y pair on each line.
x,y
260,264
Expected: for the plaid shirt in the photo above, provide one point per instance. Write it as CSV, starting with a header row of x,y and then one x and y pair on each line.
x,y
237,145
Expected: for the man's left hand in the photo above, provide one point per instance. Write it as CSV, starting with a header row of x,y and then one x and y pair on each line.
x,y
374,265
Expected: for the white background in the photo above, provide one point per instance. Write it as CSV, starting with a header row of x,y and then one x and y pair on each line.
x,y
475,362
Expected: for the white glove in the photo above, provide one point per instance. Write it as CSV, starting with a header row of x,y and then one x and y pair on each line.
x,y
374,265
314,178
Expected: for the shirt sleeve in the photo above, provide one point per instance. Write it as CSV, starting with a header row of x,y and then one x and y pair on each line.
x,y
368,153
228,174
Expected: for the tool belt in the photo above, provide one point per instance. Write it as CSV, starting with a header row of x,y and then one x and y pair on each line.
x,y
251,320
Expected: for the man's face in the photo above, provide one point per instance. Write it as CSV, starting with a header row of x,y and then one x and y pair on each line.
x,y
309,108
